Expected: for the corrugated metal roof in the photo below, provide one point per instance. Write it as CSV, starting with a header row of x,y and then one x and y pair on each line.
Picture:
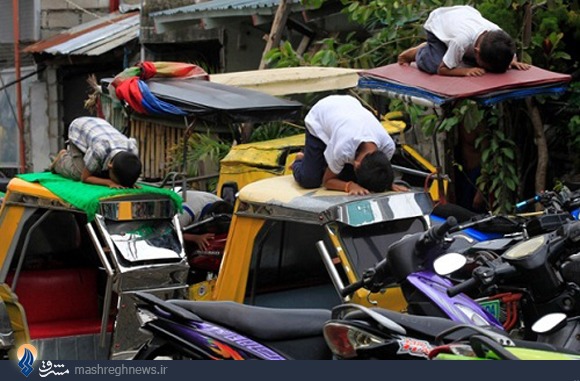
x,y
92,38
222,5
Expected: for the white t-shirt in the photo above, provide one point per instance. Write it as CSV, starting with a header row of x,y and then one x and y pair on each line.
x,y
192,208
457,27
342,123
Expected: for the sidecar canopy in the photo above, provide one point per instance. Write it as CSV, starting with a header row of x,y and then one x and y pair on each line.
x,y
414,86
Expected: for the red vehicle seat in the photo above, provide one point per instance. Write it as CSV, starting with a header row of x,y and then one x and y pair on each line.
x,y
60,302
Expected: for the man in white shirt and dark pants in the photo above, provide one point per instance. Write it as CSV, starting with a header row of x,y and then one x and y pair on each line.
x,y
346,149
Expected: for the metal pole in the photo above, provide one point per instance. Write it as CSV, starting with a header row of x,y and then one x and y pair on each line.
x,y
19,111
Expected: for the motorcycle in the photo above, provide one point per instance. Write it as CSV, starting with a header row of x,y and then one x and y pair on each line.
x,y
541,275
227,330
558,207
409,263
231,331
357,332
183,329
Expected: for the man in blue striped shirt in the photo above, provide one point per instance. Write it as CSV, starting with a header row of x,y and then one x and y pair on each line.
x,y
98,153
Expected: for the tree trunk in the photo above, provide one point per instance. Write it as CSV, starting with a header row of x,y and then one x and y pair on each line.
x,y
542,146
276,31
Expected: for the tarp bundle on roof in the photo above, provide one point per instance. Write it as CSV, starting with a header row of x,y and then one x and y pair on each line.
x,y
130,85
173,89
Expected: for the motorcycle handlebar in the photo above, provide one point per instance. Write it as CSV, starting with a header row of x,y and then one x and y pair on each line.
x,y
440,231
375,276
462,287
351,288
485,276
525,203
437,233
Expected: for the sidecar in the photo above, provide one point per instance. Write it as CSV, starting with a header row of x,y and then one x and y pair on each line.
x,y
273,254
70,258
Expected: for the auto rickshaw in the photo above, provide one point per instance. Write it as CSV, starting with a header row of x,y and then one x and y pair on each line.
x,y
68,268
273,252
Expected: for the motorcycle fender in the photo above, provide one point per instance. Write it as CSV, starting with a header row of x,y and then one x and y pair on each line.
x,y
434,287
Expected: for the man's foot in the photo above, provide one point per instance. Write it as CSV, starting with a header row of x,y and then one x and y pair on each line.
x,y
408,56
299,156
56,158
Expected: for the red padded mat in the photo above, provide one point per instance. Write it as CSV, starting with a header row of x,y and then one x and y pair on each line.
x,y
463,87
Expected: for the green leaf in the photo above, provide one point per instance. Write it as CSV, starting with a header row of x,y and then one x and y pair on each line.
x,y
509,153
485,155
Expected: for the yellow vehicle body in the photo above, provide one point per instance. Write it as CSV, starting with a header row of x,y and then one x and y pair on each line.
x,y
66,279
271,257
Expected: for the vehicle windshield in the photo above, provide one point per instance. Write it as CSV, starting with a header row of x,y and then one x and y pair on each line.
x,y
147,240
366,245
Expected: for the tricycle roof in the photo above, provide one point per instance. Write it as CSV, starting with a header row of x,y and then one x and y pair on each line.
x,y
142,203
282,198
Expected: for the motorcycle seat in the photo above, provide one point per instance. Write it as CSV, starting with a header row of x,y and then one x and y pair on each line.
x,y
263,323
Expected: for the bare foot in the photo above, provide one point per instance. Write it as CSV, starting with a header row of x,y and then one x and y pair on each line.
x,y
299,156
408,56
57,158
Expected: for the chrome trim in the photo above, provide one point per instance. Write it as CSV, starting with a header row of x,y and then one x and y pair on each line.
x,y
334,276
141,209
6,332
108,287
349,210
25,247
99,248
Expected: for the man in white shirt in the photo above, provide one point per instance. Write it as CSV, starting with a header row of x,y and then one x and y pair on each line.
x,y
198,206
460,34
346,148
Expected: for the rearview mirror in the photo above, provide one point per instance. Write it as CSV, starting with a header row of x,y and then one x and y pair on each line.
x,y
448,263
549,322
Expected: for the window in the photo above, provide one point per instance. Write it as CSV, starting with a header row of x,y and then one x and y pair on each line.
x,y
29,11
287,270
367,245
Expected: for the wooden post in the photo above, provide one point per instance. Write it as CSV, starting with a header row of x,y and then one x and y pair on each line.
x,y
276,31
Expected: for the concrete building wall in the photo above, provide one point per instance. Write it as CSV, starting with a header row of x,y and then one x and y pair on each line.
x,y
39,132
59,15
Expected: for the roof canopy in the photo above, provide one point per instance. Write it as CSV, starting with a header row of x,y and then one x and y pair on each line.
x,y
93,38
222,103
291,80
218,9
280,197
415,86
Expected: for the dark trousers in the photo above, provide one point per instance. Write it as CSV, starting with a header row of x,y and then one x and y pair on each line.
x,y
430,56
309,170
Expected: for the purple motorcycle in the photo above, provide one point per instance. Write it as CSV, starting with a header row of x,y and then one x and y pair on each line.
x,y
409,263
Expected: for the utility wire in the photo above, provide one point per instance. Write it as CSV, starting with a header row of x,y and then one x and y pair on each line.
x,y
84,10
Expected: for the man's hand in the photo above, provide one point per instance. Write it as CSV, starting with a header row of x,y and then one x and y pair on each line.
x,y
399,188
474,72
519,65
202,240
461,71
114,185
355,189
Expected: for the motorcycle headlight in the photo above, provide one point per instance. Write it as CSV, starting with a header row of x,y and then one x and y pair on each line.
x,y
473,316
526,248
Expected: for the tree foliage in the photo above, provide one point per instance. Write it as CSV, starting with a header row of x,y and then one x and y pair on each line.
x,y
393,26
